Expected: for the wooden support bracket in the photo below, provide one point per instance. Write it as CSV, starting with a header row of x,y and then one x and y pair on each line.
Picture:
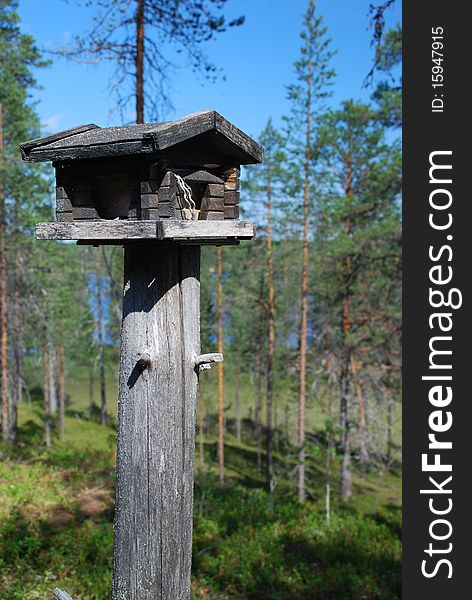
x,y
204,361
166,230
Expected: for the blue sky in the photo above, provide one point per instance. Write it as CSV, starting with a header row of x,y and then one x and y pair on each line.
x,y
256,58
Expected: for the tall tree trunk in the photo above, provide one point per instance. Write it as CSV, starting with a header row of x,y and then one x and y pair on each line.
x,y
346,476
389,427
3,300
91,378
237,398
330,448
201,423
363,453
46,395
219,309
61,383
346,371
140,61
52,379
304,297
258,394
271,340
101,348
17,329
17,356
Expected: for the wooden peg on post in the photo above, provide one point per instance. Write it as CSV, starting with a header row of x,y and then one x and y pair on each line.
x,y
204,361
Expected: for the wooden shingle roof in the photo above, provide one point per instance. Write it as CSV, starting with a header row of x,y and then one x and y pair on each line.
x,y
206,130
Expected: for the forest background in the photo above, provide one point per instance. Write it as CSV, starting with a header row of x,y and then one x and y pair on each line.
x,y
299,440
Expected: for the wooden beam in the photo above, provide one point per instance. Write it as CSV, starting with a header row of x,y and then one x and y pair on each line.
x,y
164,230
156,423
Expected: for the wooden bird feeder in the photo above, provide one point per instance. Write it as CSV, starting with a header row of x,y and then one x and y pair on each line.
x,y
161,190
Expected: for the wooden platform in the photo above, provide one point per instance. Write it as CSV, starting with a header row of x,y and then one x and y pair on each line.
x,y
122,232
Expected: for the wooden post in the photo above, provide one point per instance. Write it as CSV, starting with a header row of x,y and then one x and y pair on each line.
x,y
160,343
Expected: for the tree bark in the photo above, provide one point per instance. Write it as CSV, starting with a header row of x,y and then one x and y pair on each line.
x,y
346,362
52,378
219,310
140,61
156,423
363,453
46,392
237,398
270,340
258,394
3,301
346,476
201,423
101,347
17,330
304,296
91,398
389,427
61,383
330,449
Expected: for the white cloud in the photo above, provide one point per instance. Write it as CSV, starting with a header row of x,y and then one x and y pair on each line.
x,y
51,124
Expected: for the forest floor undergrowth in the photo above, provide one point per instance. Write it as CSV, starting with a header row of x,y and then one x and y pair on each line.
x,y
56,515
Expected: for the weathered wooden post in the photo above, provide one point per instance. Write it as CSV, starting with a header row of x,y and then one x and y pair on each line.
x,y
161,190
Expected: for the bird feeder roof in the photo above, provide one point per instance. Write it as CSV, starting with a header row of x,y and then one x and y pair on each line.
x,y
204,132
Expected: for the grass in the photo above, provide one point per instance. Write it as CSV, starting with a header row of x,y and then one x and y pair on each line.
x,y
56,511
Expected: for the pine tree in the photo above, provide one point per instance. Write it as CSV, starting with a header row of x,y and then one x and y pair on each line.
x,y
20,186
134,35
307,96
357,255
266,184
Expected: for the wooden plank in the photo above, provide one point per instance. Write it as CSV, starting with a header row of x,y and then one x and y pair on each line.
x,y
150,213
180,130
86,212
64,216
232,185
149,200
167,230
177,230
156,424
231,198
239,138
61,192
167,194
202,177
213,189
167,210
26,147
230,213
151,186
212,204
63,205
96,230
83,152
214,215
